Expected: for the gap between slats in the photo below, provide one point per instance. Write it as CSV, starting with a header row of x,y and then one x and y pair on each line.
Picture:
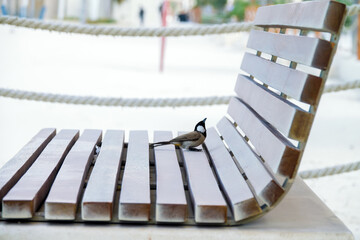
x,y
259,177
301,49
19,203
282,79
170,202
16,167
320,72
208,200
285,116
228,174
281,155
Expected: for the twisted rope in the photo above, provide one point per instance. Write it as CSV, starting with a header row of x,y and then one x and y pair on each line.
x,y
328,171
342,87
124,102
138,102
118,31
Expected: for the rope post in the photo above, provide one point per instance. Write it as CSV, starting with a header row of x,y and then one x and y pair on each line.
x,y
164,10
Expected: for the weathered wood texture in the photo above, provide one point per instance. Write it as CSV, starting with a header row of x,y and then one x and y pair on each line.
x,y
98,200
30,191
208,202
236,190
171,205
286,117
309,51
275,149
12,171
315,15
134,204
266,188
296,84
63,198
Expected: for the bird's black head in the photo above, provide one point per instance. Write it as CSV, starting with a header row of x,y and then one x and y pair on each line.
x,y
200,127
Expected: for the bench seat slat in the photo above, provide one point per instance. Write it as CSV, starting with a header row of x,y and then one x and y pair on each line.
x,y
296,84
262,182
315,15
97,203
208,202
63,197
238,194
288,118
30,191
134,204
309,51
171,205
12,170
276,150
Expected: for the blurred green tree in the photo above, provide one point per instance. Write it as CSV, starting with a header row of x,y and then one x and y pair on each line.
x,y
239,9
217,4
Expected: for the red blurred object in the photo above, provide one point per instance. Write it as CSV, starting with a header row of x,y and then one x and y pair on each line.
x,y
359,35
164,10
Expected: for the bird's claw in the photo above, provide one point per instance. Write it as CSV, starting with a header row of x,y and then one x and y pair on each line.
x,y
195,149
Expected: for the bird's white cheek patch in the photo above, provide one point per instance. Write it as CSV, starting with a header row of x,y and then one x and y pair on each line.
x,y
200,129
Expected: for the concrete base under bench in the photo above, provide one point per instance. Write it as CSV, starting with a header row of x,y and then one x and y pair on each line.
x,y
301,215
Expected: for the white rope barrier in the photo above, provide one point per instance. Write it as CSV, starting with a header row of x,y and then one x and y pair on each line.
x,y
119,31
123,102
139,102
328,171
341,87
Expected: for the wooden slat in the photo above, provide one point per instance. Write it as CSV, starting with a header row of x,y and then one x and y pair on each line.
x,y
275,149
63,197
134,204
296,84
314,15
97,203
12,170
208,202
265,187
301,49
285,116
30,191
171,203
239,196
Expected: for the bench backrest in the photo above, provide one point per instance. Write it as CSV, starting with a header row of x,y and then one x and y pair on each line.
x,y
270,118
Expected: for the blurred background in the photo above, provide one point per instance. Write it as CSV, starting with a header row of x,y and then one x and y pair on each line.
x,y
128,12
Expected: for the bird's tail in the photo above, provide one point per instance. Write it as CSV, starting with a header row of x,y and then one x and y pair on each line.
x,y
159,143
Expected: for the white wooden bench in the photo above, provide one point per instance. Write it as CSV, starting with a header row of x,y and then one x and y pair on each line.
x,y
248,163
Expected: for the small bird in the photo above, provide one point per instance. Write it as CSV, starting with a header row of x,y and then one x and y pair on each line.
x,y
189,140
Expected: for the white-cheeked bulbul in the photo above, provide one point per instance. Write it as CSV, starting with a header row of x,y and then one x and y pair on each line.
x,y
189,140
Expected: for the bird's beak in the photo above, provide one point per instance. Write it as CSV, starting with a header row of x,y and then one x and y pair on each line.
x,y
204,119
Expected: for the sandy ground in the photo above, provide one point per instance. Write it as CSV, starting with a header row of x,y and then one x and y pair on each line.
x,y
194,66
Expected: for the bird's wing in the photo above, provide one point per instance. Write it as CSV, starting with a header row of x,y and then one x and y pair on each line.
x,y
191,136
